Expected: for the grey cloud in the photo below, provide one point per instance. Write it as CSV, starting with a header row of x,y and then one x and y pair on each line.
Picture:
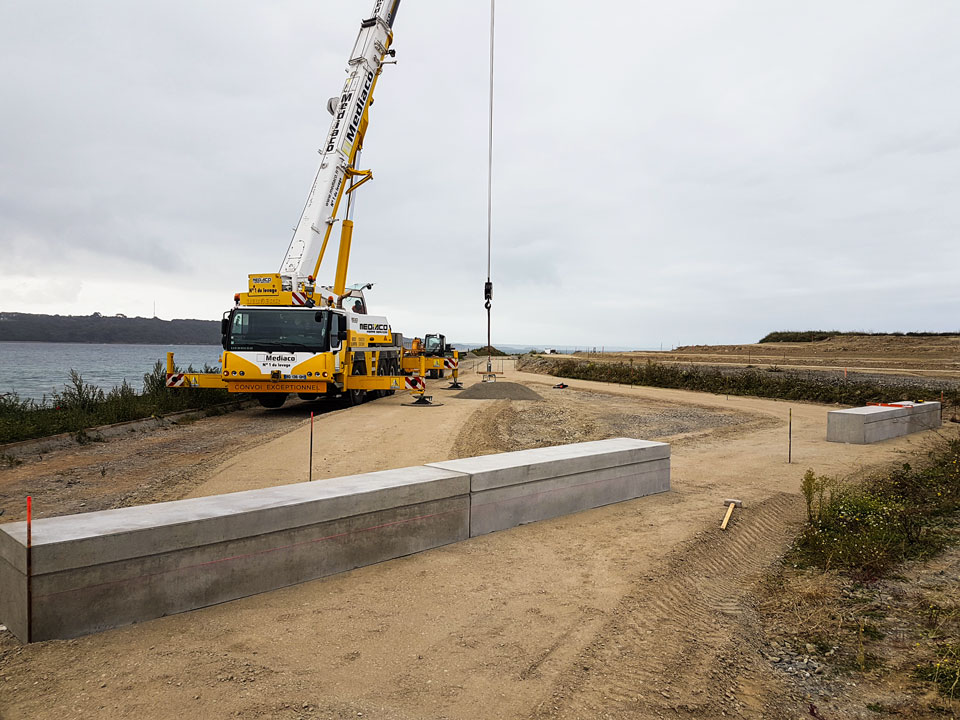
x,y
694,172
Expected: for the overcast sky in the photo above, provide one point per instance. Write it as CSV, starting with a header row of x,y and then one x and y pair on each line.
x,y
668,173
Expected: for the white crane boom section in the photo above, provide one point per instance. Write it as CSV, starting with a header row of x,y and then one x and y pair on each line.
x,y
339,151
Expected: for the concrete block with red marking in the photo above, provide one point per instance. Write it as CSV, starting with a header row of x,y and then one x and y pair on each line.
x,y
881,421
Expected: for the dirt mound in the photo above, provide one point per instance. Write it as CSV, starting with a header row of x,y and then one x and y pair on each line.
x,y
498,391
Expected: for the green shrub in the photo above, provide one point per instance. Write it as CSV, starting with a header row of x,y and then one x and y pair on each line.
x,y
757,383
81,405
944,673
799,336
857,533
863,529
819,335
813,488
489,350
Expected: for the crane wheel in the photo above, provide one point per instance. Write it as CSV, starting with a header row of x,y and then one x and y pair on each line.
x,y
271,400
356,397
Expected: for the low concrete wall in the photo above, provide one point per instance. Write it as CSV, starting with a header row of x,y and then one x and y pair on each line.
x,y
875,423
105,569
511,489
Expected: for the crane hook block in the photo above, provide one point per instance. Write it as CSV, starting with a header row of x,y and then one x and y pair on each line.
x,y
488,290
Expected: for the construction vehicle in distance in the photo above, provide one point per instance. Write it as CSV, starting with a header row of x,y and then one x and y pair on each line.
x,y
287,335
438,356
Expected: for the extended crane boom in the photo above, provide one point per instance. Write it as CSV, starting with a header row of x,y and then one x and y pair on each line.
x,y
285,335
339,153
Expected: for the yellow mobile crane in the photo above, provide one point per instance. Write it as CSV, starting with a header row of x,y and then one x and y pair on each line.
x,y
287,335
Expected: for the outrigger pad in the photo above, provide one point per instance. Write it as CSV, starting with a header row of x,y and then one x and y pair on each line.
x,y
423,401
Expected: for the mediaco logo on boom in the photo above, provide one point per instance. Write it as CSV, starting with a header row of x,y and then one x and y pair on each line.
x,y
360,107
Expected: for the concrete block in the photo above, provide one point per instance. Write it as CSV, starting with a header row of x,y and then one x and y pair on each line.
x,y
876,423
105,569
513,505
13,599
111,535
112,568
510,489
491,471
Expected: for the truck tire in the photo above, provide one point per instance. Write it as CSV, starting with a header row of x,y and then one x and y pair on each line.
x,y
271,400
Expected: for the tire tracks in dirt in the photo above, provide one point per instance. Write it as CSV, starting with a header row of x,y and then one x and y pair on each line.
x,y
678,644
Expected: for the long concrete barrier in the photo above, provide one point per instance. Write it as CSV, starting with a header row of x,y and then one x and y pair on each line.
x,y
875,423
515,488
106,569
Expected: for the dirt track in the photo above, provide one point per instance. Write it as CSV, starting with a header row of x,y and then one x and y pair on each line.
x,y
642,609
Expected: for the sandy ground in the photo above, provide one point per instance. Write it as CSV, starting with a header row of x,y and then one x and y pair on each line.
x,y
642,609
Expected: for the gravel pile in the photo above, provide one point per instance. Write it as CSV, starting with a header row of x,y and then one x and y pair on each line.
x,y
814,677
498,391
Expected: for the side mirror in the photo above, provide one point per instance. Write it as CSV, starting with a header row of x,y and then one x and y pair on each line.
x,y
224,326
318,316
334,332
342,335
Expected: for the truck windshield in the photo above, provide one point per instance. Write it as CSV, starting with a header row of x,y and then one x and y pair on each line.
x,y
291,330
432,342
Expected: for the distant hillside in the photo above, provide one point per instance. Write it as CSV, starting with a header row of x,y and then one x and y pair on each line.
x,y
25,327
795,336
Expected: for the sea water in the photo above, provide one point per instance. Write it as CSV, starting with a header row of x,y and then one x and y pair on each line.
x,y
34,370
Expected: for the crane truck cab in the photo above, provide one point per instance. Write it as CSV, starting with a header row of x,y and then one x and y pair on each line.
x,y
317,352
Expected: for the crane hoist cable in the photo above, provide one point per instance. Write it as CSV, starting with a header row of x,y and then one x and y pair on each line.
x,y
488,285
